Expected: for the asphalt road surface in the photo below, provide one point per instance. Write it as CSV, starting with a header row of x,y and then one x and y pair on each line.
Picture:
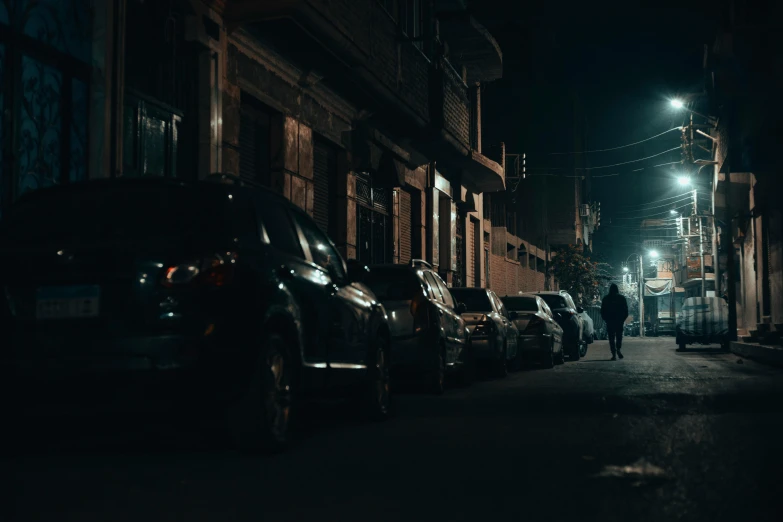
x,y
657,436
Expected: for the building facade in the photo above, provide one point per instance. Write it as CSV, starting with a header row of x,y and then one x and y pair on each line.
x,y
743,83
367,114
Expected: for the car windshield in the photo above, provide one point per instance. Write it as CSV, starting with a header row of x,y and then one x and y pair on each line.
x,y
393,283
554,301
119,212
475,300
520,304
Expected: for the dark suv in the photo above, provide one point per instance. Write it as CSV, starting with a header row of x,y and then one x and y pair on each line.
x,y
217,297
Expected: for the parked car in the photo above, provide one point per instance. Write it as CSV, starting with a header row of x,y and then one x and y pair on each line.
x,y
588,330
199,297
631,329
567,316
667,326
428,334
703,320
493,336
649,329
540,337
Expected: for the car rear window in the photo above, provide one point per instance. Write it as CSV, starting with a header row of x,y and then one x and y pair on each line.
x,y
475,300
554,301
393,283
520,304
121,212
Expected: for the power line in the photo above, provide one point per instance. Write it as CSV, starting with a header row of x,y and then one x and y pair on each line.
x,y
632,161
689,193
613,148
687,198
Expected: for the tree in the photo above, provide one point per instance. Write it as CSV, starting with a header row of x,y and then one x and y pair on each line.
x,y
576,273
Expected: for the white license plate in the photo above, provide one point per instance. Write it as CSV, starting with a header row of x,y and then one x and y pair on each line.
x,y
68,302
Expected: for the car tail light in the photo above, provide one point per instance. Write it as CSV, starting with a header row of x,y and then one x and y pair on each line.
x,y
536,323
420,313
486,328
212,271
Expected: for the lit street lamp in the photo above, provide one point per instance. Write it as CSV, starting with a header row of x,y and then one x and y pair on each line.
x,y
684,180
654,254
677,104
625,269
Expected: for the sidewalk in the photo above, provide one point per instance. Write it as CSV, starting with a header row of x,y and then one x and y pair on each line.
x,y
770,354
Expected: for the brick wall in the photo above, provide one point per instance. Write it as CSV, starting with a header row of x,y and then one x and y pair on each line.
x,y
508,277
456,105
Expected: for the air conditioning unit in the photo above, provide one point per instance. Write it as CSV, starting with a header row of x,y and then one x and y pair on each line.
x,y
584,210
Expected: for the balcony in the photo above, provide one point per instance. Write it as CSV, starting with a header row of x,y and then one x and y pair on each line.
x,y
448,135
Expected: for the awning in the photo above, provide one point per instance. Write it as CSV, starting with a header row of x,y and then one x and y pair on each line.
x,y
656,287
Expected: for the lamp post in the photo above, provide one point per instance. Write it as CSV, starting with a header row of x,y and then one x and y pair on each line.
x,y
641,292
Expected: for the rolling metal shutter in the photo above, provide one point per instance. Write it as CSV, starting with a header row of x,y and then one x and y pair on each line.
x,y
471,257
324,174
406,229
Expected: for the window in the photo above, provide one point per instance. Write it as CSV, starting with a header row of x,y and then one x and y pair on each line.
x,y
554,301
278,226
476,300
373,223
433,282
521,304
546,309
321,249
447,299
411,20
499,306
393,283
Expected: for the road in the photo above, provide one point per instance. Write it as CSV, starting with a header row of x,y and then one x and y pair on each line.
x,y
657,436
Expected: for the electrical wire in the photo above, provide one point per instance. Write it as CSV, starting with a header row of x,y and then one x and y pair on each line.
x,y
689,193
613,148
632,161
652,215
688,198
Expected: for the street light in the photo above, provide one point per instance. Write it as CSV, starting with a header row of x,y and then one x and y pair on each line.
x,y
684,180
625,269
673,212
677,104
654,254
641,291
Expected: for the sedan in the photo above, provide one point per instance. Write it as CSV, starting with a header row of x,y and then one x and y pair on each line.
x,y
540,337
493,336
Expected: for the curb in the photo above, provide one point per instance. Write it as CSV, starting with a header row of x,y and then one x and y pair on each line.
x,y
766,354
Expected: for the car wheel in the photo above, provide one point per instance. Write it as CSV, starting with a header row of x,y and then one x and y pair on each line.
x,y
377,396
437,376
560,356
549,359
575,351
259,420
501,365
682,347
468,372
583,349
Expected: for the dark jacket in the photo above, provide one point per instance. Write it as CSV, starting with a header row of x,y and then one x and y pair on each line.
x,y
614,307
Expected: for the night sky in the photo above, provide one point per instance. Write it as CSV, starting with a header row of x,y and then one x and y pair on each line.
x,y
624,62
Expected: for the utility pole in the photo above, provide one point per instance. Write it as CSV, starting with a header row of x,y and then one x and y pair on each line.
x,y
641,296
701,240
732,287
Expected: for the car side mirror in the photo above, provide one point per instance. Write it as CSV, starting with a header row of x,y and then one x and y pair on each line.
x,y
461,308
356,270
580,310
513,315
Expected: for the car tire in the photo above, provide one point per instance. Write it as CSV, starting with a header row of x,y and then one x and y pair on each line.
x,y
377,397
436,378
467,373
259,421
574,352
560,359
583,349
500,366
549,359
682,347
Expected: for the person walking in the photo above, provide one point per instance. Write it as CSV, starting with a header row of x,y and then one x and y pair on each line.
x,y
614,310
